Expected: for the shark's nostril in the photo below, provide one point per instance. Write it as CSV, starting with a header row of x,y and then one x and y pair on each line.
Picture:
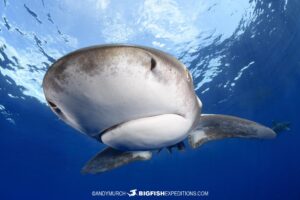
x,y
153,64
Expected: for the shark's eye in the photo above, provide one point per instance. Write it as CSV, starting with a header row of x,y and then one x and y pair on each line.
x,y
54,107
153,64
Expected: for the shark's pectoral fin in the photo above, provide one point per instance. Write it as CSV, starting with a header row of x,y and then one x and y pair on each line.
x,y
111,158
213,127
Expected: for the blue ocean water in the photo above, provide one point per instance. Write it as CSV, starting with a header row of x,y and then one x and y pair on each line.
x,y
245,60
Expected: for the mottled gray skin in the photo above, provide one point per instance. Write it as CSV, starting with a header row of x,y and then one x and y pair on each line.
x,y
135,99
111,158
214,127
80,88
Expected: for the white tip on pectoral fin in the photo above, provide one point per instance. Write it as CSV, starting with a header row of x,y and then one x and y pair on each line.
x,y
213,127
110,158
197,138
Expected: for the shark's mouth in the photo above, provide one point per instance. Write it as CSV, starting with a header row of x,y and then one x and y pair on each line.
x,y
98,136
146,133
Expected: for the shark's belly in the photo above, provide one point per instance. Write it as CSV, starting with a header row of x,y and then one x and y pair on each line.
x,y
148,133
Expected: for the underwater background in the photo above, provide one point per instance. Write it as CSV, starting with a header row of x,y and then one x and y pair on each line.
x,y
244,57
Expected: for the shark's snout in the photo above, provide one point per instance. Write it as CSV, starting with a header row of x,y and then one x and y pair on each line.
x,y
97,88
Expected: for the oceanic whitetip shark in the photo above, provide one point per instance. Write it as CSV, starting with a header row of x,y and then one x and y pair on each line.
x,y
135,100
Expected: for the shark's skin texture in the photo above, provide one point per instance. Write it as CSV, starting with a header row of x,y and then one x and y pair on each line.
x,y
135,100
214,127
130,98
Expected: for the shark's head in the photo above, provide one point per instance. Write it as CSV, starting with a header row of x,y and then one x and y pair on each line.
x,y
130,97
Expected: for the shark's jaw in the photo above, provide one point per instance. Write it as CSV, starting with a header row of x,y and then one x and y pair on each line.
x,y
128,97
147,133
